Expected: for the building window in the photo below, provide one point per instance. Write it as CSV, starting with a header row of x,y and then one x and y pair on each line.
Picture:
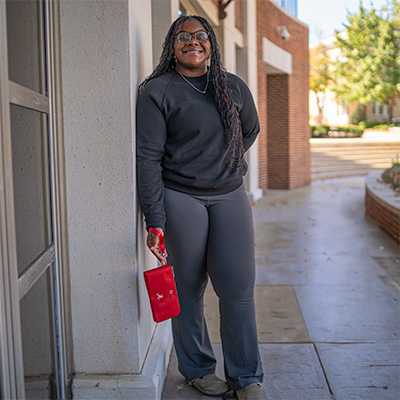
x,y
379,109
289,5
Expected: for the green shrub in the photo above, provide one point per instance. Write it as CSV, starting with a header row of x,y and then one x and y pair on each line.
x,y
346,131
322,129
319,131
391,176
336,131
383,127
352,129
362,124
371,124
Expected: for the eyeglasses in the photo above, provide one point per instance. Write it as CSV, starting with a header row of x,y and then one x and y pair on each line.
x,y
184,37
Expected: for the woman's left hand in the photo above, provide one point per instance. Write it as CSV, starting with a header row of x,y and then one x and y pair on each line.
x,y
153,243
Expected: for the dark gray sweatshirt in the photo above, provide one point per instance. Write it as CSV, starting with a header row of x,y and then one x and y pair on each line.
x,y
180,141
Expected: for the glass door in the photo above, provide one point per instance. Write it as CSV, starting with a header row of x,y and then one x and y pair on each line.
x,y
32,348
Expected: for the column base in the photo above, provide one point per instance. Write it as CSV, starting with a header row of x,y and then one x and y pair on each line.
x,y
145,386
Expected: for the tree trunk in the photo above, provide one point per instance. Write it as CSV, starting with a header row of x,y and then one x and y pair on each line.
x,y
364,110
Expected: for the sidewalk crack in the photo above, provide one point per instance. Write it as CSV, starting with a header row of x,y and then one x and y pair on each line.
x,y
324,372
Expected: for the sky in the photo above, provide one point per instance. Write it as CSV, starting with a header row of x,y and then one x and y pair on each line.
x,y
323,17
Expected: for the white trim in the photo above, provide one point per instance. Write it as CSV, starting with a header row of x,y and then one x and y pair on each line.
x,y
251,78
278,61
189,7
238,37
204,7
56,146
11,362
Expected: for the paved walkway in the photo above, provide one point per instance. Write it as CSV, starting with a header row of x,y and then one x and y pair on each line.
x,y
327,299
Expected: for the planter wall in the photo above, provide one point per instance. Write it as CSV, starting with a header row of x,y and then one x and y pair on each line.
x,y
383,205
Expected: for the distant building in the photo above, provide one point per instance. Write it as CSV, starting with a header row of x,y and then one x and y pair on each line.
x,y
337,112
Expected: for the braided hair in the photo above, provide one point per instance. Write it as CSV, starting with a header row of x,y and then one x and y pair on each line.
x,y
223,94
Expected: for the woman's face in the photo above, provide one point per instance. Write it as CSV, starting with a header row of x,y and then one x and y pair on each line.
x,y
191,58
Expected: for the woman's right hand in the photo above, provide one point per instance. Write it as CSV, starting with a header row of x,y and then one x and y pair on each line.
x,y
153,243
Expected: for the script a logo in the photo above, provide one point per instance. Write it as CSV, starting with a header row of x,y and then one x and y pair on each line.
x,y
159,296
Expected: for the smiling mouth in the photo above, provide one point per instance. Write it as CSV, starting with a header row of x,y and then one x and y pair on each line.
x,y
192,51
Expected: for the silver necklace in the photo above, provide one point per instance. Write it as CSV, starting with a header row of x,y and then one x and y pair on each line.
x,y
194,87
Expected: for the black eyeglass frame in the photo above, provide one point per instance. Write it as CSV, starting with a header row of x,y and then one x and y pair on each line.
x,y
192,35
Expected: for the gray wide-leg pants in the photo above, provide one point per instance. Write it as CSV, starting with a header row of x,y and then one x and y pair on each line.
x,y
214,236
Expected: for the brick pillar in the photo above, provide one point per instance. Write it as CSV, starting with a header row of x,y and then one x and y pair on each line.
x,y
262,137
278,131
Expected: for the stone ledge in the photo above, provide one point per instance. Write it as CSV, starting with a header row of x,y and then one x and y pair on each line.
x,y
146,386
382,192
382,204
391,134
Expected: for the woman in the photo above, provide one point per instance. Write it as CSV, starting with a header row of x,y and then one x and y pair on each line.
x,y
194,124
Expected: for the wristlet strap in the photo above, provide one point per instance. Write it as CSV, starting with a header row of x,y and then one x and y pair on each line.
x,y
160,235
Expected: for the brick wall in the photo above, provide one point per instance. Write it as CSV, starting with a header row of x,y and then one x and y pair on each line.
x,y
385,216
262,136
239,15
283,103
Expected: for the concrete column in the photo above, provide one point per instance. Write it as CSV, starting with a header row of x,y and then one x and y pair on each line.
x,y
247,69
106,52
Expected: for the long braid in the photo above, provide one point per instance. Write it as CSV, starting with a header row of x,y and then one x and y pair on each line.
x,y
223,94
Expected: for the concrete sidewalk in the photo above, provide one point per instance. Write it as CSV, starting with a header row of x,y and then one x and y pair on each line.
x,y
327,298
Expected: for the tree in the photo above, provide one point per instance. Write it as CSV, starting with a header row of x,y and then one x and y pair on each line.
x,y
368,68
320,75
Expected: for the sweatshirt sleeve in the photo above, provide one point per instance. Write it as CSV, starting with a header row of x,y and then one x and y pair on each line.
x,y
248,116
151,136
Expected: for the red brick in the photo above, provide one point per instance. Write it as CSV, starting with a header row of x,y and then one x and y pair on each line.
x,y
387,219
239,15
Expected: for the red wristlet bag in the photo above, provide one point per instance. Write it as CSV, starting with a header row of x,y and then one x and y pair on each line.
x,y
161,287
